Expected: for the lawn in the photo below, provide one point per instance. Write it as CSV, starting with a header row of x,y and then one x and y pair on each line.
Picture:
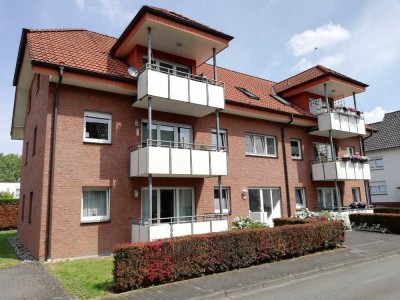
x,y
86,278
8,258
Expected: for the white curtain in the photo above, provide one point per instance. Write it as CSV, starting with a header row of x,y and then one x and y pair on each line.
x,y
94,203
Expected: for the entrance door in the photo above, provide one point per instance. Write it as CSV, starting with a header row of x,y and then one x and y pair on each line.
x,y
265,204
167,206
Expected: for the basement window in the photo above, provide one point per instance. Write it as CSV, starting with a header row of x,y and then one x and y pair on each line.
x,y
281,100
247,93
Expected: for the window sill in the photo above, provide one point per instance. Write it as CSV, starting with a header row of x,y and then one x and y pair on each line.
x,y
83,221
259,155
297,158
380,194
96,142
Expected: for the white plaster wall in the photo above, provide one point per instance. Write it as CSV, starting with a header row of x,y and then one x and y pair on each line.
x,y
390,173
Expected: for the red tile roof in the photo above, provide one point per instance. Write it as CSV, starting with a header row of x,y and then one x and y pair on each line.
x,y
85,50
77,49
311,74
260,87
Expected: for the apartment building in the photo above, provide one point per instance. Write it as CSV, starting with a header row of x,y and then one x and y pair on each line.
x,y
138,138
383,150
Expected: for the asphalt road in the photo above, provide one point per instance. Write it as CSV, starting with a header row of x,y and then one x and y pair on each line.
x,y
375,280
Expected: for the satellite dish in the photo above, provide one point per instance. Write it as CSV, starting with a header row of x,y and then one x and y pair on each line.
x,y
133,72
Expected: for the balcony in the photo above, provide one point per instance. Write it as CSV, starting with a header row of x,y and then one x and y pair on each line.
x,y
163,228
175,159
178,92
342,124
340,170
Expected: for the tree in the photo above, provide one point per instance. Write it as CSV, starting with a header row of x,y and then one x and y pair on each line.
x,y
10,167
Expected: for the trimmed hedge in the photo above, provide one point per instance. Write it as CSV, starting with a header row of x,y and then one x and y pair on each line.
x,y
389,221
387,210
8,201
8,216
149,263
292,221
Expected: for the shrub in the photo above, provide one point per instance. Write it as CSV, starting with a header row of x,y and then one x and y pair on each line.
x,y
292,221
8,201
145,264
389,221
246,223
8,215
387,210
324,215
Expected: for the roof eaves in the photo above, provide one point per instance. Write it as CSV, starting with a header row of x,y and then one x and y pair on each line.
x,y
168,16
20,56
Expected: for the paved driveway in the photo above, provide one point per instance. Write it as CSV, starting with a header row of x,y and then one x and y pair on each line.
x,y
30,281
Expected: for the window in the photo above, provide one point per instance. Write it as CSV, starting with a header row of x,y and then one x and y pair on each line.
x,y
222,138
300,198
265,201
322,153
34,141
29,102
350,150
260,145
281,100
247,93
95,205
97,128
356,194
169,67
327,198
30,207
168,134
378,188
296,148
376,163
23,208
37,83
26,152
225,201
168,205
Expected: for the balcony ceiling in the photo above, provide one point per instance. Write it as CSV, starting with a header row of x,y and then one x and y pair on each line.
x,y
336,89
336,134
165,37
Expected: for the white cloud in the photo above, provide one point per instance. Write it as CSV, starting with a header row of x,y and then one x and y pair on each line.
x,y
302,65
376,115
332,60
323,37
80,4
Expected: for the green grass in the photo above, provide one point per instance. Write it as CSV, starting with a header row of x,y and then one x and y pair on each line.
x,y
8,258
86,278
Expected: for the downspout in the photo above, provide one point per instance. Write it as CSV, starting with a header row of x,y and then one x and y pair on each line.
x,y
51,167
366,182
285,167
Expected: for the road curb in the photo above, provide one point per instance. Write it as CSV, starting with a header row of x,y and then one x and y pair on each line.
x,y
292,277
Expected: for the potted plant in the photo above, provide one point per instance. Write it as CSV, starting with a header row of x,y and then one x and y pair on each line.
x,y
364,159
355,158
351,111
346,157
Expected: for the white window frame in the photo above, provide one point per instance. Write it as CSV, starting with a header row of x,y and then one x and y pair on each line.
x,y
379,185
327,151
93,219
176,202
357,194
372,163
156,61
265,137
104,118
224,139
175,125
333,193
303,198
298,141
227,210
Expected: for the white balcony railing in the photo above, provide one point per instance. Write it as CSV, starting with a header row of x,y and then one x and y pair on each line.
x,y
342,124
340,170
174,159
145,230
191,94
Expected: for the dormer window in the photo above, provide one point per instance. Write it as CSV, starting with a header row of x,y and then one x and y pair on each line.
x,y
169,67
247,93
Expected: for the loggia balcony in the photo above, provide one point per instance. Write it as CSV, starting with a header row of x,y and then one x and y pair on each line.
x,y
342,124
178,92
175,159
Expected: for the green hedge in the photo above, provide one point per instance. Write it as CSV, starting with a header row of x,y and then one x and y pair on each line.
x,y
387,210
8,201
8,215
149,263
292,221
389,221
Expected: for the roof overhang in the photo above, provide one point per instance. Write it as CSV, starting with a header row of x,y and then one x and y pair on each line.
x,y
23,83
170,35
336,88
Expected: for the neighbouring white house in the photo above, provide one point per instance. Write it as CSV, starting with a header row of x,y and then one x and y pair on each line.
x,y
11,187
383,150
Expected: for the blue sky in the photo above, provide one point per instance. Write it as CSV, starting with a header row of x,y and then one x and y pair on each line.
x,y
273,39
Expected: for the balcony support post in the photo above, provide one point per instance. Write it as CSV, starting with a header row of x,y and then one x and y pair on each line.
x,y
218,133
326,97
354,101
337,193
148,45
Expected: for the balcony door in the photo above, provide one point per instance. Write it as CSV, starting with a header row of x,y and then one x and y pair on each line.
x,y
169,205
327,198
264,204
322,152
168,134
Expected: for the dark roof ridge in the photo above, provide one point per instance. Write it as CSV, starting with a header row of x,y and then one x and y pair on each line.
x,y
230,70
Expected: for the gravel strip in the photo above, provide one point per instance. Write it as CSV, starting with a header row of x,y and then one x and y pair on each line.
x,y
23,253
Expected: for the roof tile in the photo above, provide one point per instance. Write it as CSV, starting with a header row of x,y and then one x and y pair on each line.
x,y
388,135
